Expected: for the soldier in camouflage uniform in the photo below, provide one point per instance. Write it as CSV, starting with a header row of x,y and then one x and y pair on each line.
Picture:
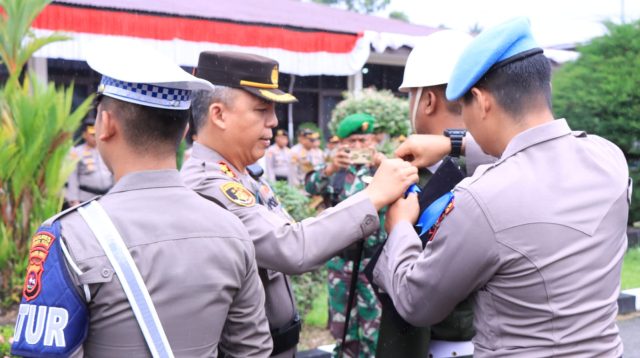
x,y
336,181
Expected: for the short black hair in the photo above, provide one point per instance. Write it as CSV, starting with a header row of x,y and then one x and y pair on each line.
x,y
155,130
452,107
517,85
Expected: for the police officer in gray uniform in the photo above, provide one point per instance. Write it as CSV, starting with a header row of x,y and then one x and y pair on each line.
x,y
278,158
91,176
177,274
234,125
539,235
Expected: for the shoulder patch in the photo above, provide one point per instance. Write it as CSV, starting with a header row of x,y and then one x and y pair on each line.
x,y
432,216
238,194
52,319
40,245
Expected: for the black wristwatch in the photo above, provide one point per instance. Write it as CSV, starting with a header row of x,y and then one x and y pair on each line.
x,y
456,136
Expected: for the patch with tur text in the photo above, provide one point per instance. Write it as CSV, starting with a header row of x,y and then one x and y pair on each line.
x,y
53,319
238,194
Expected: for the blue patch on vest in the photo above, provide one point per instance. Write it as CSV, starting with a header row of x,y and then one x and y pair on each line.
x,y
53,319
430,215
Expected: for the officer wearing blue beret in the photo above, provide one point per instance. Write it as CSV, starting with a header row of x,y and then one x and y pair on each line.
x,y
538,236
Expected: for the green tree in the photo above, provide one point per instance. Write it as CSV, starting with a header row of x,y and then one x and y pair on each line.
x,y
36,133
599,93
391,112
399,15
361,6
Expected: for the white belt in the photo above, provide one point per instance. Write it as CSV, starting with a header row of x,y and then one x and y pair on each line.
x,y
447,349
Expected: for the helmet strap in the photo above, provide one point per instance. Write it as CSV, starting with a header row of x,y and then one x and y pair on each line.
x,y
414,111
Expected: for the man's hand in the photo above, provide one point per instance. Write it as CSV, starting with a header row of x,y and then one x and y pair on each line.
x,y
424,150
390,182
402,210
377,159
340,160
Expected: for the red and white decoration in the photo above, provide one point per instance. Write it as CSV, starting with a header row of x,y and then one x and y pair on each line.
x,y
299,51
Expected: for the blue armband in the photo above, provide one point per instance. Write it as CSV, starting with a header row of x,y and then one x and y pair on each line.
x,y
53,319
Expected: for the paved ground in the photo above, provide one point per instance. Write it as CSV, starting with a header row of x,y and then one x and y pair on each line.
x,y
630,331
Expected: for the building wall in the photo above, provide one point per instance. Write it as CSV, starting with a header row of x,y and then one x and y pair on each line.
x,y
317,95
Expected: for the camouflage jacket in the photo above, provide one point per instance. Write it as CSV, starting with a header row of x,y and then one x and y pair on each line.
x,y
340,186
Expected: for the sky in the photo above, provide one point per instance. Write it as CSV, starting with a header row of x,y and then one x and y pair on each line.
x,y
553,22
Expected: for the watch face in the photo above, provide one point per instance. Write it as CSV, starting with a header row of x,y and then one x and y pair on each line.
x,y
455,132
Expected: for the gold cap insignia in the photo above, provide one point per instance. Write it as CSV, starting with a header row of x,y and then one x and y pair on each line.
x,y
274,75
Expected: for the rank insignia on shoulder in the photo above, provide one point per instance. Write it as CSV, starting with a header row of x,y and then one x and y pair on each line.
x,y
238,194
224,167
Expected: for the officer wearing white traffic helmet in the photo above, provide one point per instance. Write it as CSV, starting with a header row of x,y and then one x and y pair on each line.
x,y
426,74
143,270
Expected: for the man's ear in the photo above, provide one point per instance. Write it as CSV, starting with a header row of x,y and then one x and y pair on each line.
x,y
216,115
108,126
430,102
484,100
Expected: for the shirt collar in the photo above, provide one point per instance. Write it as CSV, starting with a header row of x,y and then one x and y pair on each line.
x,y
202,152
535,135
148,179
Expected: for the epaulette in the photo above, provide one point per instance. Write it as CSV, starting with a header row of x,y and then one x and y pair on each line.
x,y
59,215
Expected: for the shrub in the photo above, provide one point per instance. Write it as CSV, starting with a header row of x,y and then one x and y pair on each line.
x,y
599,93
36,133
391,113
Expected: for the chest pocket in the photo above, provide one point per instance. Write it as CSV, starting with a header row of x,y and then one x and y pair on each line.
x,y
101,271
87,164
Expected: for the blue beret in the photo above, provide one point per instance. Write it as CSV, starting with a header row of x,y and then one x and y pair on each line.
x,y
495,47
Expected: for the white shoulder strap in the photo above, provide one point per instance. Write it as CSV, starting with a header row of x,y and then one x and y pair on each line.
x,y
129,277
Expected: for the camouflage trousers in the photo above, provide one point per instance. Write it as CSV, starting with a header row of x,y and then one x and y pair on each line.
x,y
364,321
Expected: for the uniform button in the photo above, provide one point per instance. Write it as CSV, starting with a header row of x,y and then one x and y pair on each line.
x,y
106,272
368,221
454,354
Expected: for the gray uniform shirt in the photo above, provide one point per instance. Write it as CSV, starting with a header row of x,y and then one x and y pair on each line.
x,y
538,238
282,245
304,161
278,162
91,172
195,259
